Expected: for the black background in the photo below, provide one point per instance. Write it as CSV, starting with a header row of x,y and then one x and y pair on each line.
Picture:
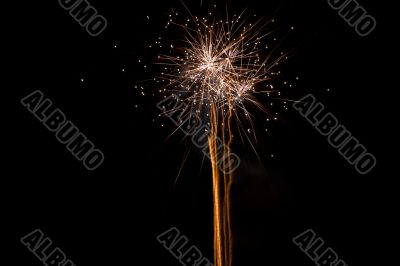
x,y
113,214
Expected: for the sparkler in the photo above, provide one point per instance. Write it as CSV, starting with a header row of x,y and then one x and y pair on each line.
x,y
218,69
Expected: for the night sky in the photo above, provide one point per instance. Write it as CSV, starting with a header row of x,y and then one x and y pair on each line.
x,y
112,215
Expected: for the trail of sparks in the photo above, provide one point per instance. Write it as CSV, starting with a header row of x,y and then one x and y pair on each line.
x,y
221,186
217,70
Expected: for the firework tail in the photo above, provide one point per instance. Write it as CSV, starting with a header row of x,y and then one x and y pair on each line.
x,y
223,241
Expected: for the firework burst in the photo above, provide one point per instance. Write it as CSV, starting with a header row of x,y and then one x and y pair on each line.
x,y
220,63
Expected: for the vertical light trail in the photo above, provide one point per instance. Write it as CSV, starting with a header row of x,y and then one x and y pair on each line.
x,y
223,241
219,227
